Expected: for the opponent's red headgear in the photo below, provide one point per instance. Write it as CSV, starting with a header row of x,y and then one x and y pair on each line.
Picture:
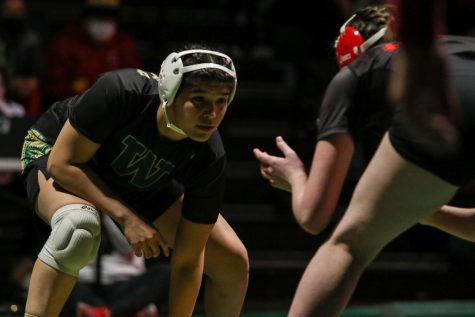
x,y
350,44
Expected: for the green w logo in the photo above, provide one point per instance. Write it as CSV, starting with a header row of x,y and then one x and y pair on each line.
x,y
137,160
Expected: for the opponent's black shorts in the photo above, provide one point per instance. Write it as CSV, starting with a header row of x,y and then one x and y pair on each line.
x,y
148,204
459,168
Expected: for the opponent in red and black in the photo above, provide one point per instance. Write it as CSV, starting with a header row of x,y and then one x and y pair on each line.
x,y
405,182
354,111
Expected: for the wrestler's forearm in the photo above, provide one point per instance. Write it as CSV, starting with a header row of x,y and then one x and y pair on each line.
x,y
85,183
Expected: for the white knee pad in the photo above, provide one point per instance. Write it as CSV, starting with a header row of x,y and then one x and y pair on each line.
x,y
74,238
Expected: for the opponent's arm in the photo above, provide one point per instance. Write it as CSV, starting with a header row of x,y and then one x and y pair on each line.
x,y
315,202
187,265
457,221
66,164
314,197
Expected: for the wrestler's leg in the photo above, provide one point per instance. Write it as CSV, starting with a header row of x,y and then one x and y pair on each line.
x,y
226,264
49,286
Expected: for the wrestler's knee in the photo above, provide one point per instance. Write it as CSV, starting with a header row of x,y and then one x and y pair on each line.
x,y
74,239
362,248
237,263
240,260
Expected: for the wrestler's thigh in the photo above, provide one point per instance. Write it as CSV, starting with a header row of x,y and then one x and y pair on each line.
x,y
52,196
167,223
222,244
392,195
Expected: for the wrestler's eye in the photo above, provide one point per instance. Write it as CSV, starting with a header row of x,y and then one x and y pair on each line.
x,y
222,101
198,99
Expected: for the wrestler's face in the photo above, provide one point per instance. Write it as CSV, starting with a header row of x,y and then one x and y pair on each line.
x,y
199,109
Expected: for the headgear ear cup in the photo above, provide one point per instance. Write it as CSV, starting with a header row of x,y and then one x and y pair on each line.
x,y
350,44
171,76
172,70
169,79
347,46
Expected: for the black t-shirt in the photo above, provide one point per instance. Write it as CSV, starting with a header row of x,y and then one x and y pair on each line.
x,y
457,168
119,112
355,101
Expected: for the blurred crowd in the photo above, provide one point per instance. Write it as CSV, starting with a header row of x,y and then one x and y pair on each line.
x,y
41,63
36,71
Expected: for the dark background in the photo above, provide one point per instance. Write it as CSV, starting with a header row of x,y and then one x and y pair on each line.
x,y
283,52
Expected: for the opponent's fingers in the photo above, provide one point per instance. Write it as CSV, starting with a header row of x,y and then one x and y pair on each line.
x,y
258,154
267,173
283,146
268,170
263,157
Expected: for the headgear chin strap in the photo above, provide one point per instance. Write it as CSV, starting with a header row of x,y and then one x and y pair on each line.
x,y
171,76
350,44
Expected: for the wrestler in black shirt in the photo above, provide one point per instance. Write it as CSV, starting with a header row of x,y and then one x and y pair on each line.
x,y
134,159
144,149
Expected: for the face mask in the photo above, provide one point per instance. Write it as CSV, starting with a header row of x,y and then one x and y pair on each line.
x,y
101,30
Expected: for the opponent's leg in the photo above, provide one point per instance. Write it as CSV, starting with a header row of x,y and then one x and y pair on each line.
x,y
72,244
391,196
226,264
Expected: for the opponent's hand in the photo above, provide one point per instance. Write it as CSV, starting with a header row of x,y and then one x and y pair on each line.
x,y
145,239
279,171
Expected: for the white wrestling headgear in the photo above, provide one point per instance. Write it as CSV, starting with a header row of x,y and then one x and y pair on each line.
x,y
171,76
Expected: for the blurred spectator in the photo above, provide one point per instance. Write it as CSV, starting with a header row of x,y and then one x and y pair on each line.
x,y
21,265
21,55
8,109
87,48
104,286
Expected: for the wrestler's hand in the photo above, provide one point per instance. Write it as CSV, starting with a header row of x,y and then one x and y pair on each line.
x,y
421,89
144,238
279,171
